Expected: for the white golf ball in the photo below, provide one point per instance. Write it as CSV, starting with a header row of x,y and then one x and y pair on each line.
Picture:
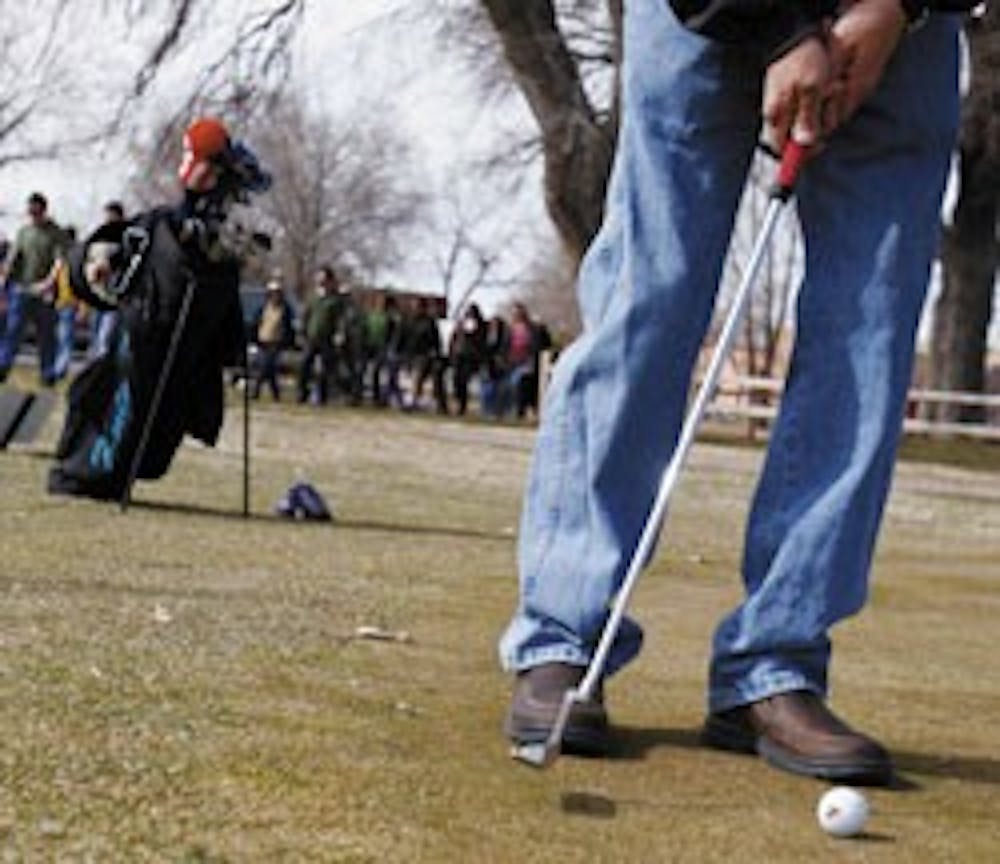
x,y
843,811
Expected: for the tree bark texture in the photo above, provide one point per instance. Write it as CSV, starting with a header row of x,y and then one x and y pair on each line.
x,y
970,248
578,144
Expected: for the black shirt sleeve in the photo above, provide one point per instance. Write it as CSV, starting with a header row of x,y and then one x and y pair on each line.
x,y
771,27
916,8
774,27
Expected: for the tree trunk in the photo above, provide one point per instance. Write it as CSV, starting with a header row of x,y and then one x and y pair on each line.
x,y
969,253
964,308
578,144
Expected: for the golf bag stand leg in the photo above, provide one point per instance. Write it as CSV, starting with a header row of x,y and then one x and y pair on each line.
x,y
539,755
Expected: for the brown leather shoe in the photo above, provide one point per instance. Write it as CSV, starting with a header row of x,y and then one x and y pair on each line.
x,y
538,693
797,732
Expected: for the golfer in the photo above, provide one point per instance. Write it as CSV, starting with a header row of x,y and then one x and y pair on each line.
x,y
875,82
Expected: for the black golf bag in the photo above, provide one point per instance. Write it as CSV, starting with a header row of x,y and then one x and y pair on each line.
x,y
161,257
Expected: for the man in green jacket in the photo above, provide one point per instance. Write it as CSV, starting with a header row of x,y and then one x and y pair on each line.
x,y
31,268
320,319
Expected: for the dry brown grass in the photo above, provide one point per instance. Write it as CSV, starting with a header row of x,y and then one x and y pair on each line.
x,y
178,684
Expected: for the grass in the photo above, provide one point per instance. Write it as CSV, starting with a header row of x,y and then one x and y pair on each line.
x,y
180,684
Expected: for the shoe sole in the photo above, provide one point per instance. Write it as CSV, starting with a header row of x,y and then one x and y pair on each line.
x,y
735,738
855,773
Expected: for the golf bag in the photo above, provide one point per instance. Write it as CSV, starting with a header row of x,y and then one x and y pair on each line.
x,y
160,259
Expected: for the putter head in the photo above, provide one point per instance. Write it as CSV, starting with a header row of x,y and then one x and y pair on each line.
x,y
541,754
536,755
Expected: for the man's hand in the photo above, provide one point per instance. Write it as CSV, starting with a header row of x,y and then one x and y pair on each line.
x,y
44,290
861,40
794,87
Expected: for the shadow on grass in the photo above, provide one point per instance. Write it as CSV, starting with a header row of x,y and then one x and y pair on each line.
x,y
181,508
630,742
29,451
634,743
588,804
872,837
201,510
972,769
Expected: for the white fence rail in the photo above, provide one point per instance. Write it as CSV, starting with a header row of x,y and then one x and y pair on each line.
x,y
735,399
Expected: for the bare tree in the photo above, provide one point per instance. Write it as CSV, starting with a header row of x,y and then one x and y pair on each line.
x,y
342,190
548,291
342,193
53,54
970,250
244,70
551,50
33,80
469,247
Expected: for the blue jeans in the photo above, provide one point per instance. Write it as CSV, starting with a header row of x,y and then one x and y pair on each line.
x,y
65,324
502,396
21,305
869,207
102,329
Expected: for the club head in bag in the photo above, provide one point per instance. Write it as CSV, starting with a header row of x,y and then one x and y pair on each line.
x,y
541,754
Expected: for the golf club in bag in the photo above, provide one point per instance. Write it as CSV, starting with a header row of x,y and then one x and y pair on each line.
x,y
542,754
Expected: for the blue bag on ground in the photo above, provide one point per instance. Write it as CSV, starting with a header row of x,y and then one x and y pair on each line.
x,y
303,501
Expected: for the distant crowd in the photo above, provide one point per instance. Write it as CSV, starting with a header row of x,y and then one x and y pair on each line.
x,y
394,351
341,345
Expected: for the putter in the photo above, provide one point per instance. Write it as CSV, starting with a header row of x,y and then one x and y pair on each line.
x,y
161,386
541,754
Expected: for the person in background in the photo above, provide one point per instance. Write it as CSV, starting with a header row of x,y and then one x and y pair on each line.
x,y
349,340
319,325
4,249
468,347
491,377
104,321
68,309
376,331
527,395
32,266
521,357
426,358
273,332
388,358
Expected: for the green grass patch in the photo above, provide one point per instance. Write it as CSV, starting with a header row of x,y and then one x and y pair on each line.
x,y
180,684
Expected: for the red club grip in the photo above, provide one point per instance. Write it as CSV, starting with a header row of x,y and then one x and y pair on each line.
x,y
793,158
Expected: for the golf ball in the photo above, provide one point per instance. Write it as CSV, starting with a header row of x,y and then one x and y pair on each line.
x,y
842,812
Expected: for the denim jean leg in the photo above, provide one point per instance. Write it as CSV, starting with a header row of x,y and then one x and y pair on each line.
x,y
11,337
65,322
646,287
45,335
103,324
870,207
